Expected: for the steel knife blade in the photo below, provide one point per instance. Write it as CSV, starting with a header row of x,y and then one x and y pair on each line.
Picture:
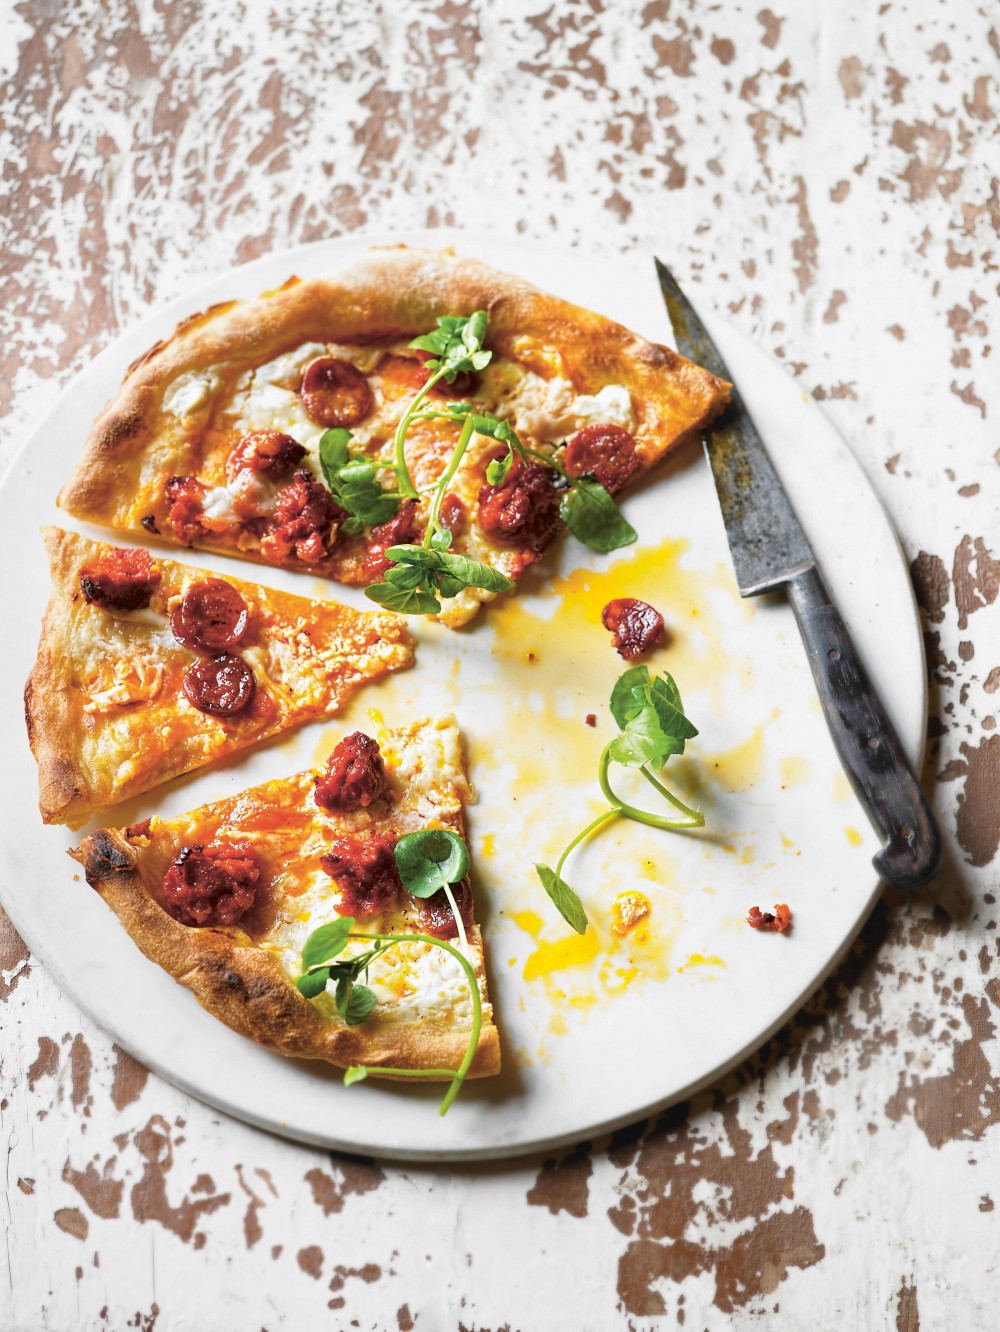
x,y
765,537
770,550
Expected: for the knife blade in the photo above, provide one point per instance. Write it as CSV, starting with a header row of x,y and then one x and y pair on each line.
x,y
770,549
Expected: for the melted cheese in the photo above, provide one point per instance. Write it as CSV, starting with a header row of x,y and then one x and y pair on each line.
x,y
190,393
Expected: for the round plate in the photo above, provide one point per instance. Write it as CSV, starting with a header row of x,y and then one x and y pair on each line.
x,y
597,1030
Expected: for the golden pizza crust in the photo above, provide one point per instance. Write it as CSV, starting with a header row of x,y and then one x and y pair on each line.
x,y
244,983
133,448
89,758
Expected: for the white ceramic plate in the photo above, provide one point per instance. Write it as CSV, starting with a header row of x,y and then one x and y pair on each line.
x,y
596,1032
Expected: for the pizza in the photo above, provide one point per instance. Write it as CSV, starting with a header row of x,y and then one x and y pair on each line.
x,y
227,897
269,429
148,668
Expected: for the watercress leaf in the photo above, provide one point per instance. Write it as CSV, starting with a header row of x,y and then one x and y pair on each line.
x,y
474,330
361,1003
404,575
592,516
313,983
641,741
666,699
406,601
428,860
441,539
448,585
408,554
325,943
353,483
333,452
480,360
342,994
356,1073
473,573
623,701
497,471
564,899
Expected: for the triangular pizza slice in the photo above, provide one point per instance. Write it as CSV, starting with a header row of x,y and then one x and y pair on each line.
x,y
322,426
148,668
270,905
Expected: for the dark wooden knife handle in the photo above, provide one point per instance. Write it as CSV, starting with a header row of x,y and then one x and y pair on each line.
x,y
868,746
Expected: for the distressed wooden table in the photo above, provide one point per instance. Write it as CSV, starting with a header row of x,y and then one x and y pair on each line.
x,y
824,172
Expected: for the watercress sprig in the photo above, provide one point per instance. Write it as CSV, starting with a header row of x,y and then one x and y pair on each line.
x,y
456,345
351,478
428,862
652,728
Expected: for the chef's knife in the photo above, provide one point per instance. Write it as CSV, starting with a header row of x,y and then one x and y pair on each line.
x,y
770,550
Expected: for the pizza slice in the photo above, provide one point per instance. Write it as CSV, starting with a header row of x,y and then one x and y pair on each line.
x,y
325,426
269,906
148,668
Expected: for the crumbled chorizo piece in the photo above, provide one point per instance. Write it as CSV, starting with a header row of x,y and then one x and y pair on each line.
x,y
354,777
122,580
523,509
211,885
364,868
304,522
436,916
185,496
637,627
335,393
606,452
777,921
396,532
267,451
452,514
591,719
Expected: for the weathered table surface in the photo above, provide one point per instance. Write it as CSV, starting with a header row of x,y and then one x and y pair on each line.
x,y
824,172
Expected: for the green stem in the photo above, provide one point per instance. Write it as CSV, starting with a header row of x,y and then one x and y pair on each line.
x,y
457,1075
698,819
407,489
442,485
591,827
694,819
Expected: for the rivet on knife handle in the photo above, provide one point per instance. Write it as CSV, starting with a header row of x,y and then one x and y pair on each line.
x,y
868,746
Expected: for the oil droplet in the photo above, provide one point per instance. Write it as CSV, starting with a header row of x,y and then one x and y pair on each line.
x,y
696,960
794,770
572,951
738,769
853,836
841,788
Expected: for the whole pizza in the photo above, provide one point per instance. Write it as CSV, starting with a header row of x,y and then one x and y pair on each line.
x,y
420,425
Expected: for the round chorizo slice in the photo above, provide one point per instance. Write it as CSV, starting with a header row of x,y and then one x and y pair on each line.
x,y
212,616
335,393
222,686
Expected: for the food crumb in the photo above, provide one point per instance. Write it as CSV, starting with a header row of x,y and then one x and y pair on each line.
x,y
591,719
627,910
531,657
777,921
